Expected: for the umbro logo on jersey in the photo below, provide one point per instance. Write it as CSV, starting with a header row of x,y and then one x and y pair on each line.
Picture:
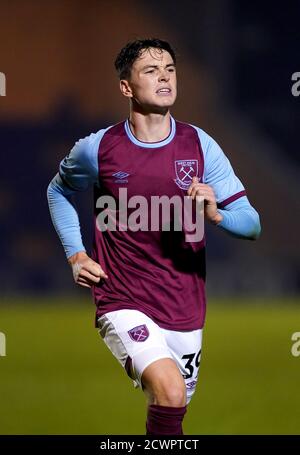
x,y
121,177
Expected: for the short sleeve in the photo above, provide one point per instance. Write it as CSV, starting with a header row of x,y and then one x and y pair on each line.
x,y
79,169
218,172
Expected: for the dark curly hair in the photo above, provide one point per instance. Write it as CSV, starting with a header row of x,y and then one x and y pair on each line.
x,y
133,50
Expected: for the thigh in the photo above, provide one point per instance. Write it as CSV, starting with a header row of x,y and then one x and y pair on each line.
x,y
185,348
134,339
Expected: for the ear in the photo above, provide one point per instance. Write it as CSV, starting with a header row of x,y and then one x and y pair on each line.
x,y
125,88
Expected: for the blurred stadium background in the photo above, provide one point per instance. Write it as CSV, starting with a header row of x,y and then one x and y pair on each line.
x,y
235,66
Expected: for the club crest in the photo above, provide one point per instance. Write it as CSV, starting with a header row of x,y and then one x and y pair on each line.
x,y
139,333
185,171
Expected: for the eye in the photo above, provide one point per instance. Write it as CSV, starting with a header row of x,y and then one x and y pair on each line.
x,y
171,70
150,71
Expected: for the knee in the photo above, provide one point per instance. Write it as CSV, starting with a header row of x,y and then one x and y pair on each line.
x,y
168,392
164,385
173,395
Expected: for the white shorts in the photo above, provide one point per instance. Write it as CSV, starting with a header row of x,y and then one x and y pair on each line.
x,y
136,341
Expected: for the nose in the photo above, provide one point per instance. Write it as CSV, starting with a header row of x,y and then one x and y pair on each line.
x,y
163,76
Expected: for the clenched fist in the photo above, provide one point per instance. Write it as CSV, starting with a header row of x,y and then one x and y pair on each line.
x,y
210,204
86,272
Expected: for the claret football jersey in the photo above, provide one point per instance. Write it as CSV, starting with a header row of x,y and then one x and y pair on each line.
x,y
154,270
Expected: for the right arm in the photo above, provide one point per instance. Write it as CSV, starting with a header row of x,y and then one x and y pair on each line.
x,y
77,172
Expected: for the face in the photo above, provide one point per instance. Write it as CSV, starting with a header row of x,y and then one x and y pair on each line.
x,y
152,83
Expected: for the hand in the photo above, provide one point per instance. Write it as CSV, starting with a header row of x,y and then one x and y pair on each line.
x,y
210,204
86,272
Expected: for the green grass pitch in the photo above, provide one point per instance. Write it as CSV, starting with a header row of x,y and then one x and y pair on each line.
x,y
58,377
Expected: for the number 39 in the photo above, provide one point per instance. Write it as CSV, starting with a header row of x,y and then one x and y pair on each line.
x,y
189,364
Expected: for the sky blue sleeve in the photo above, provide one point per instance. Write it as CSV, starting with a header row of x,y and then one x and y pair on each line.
x,y
77,171
218,172
239,217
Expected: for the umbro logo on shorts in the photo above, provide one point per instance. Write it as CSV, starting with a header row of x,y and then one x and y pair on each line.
x,y
139,333
191,385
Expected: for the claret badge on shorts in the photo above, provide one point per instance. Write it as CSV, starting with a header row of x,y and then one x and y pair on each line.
x,y
139,333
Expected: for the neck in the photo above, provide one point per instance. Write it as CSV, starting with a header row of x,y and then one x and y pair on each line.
x,y
152,127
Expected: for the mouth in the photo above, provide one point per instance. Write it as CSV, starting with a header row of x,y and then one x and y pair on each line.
x,y
165,91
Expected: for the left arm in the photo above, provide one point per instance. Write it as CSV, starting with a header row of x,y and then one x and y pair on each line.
x,y
240,219
226,203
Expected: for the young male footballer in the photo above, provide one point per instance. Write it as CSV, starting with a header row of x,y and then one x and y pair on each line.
x,y
147,275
